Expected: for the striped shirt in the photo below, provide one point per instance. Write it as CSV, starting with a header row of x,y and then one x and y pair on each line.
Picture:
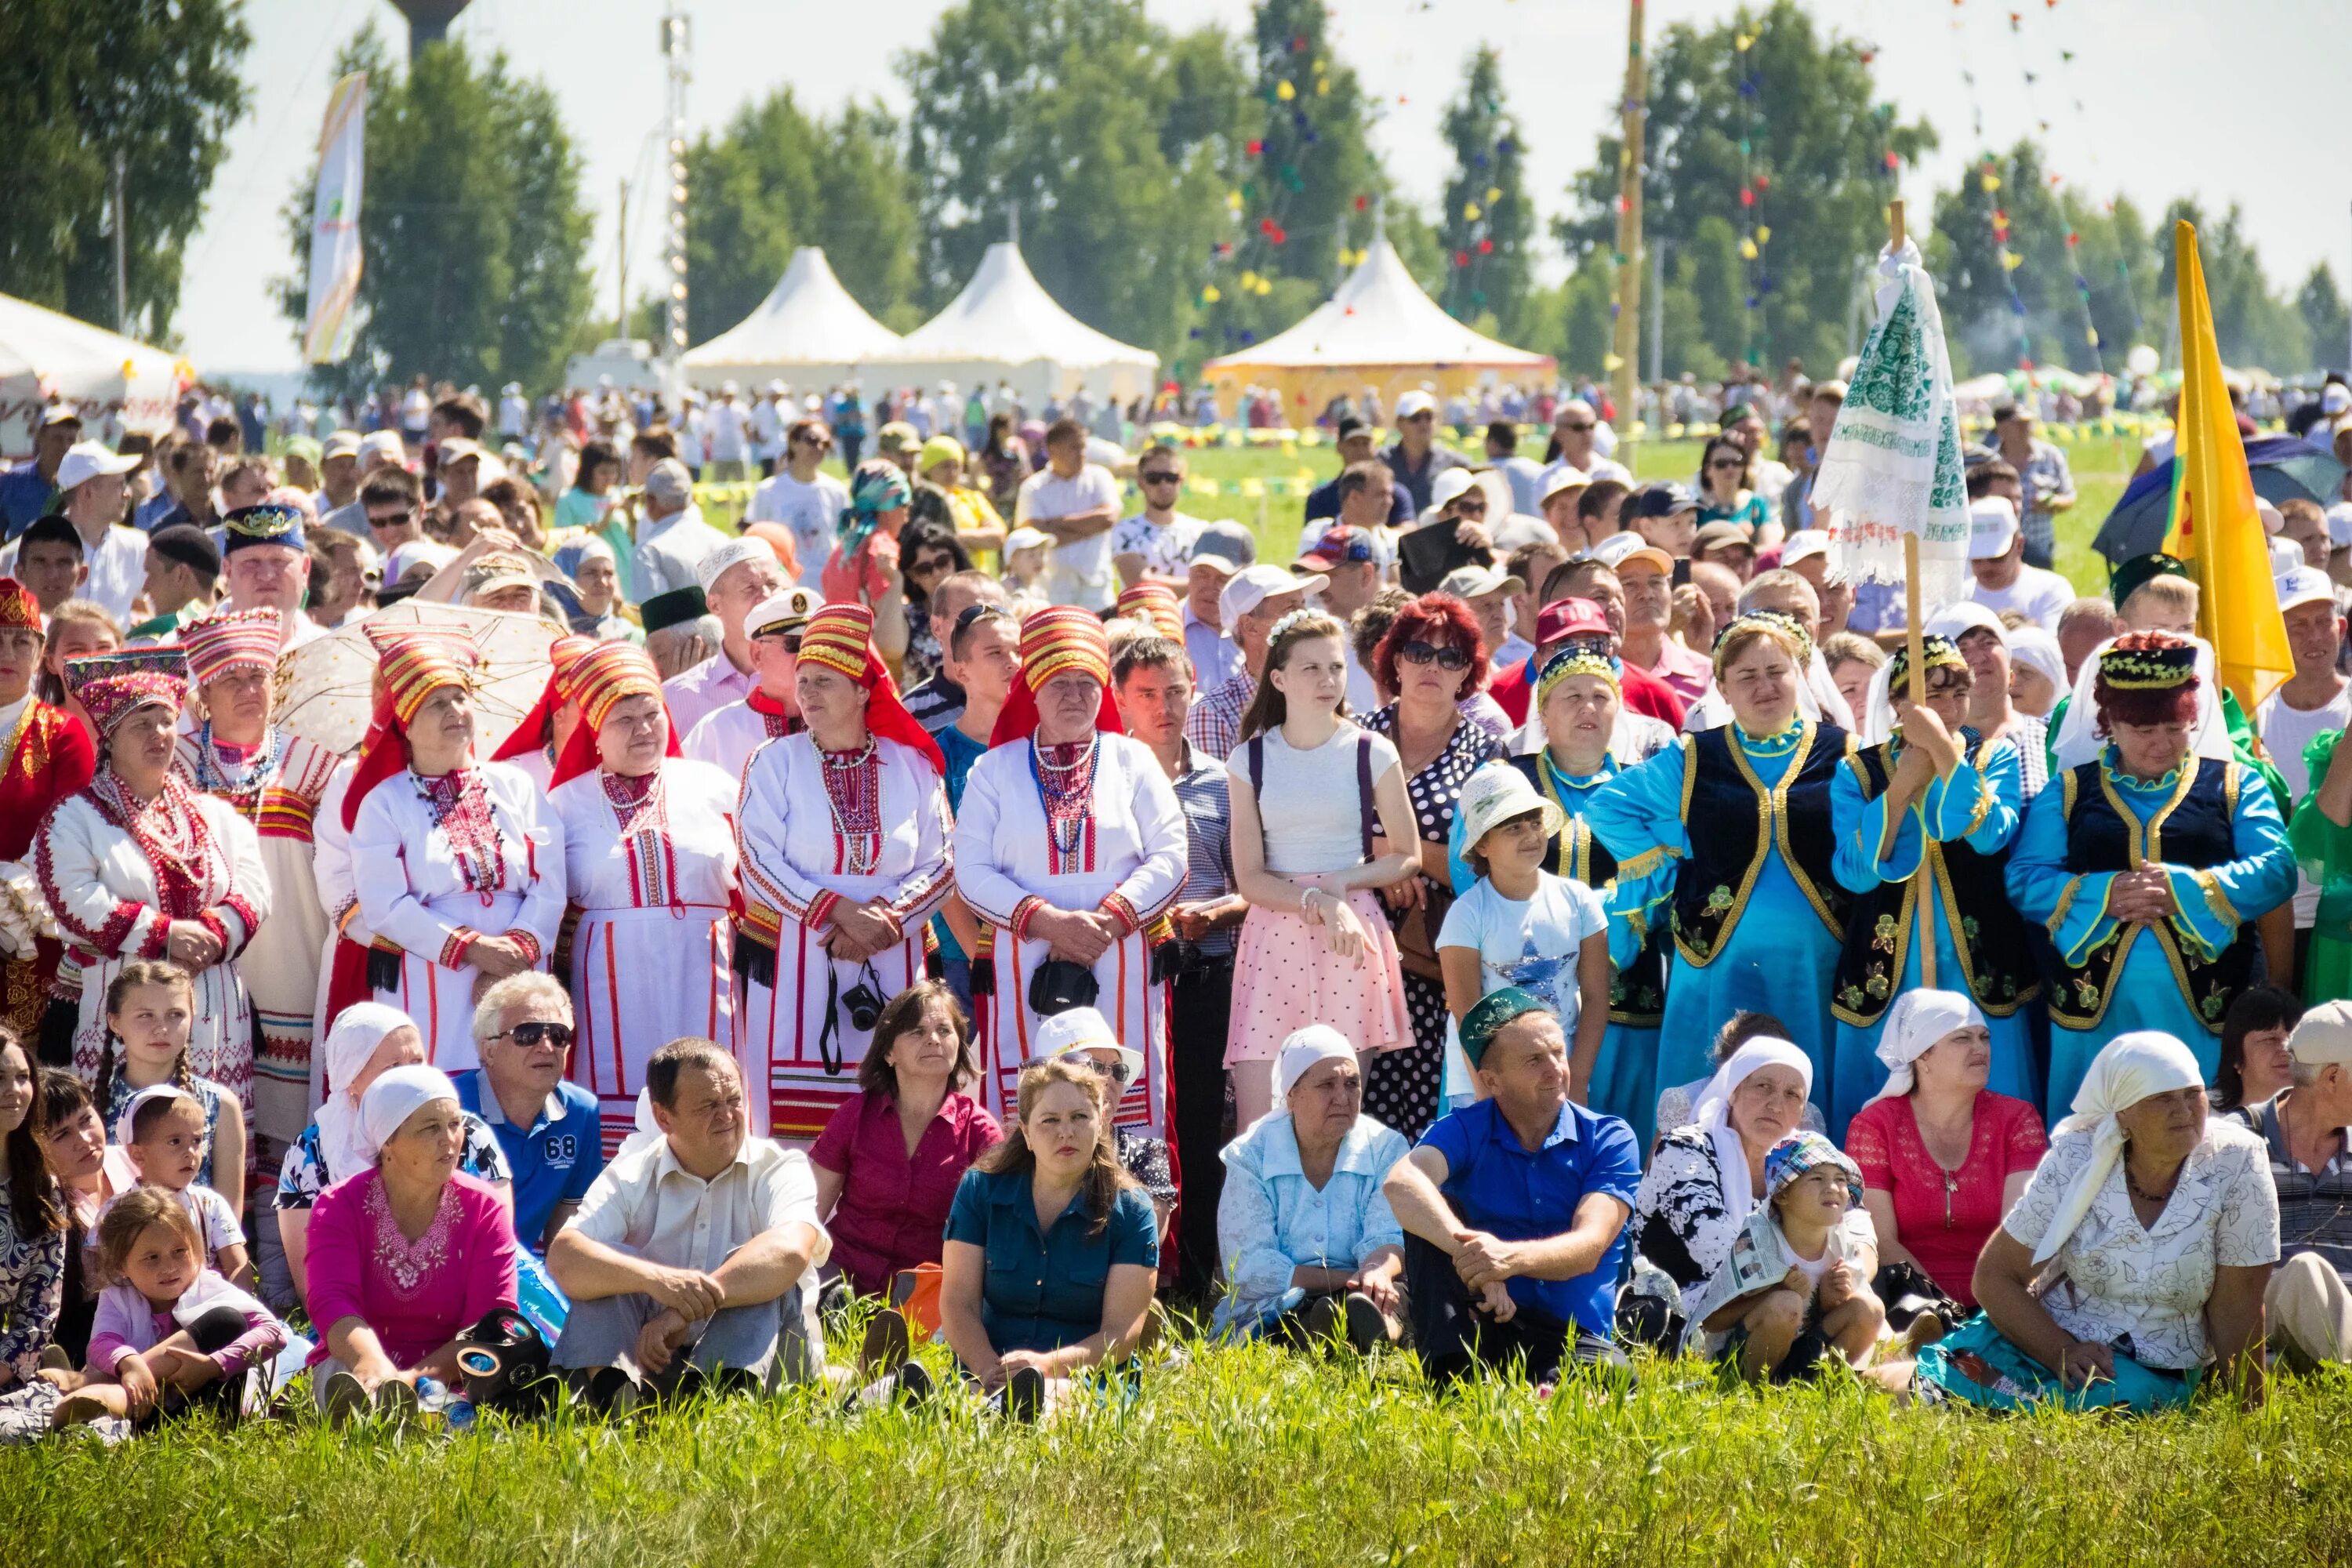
x,y
1215,722
1208,841
2315,1206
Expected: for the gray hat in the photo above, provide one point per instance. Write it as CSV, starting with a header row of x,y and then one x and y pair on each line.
x,y
1226,545
669,482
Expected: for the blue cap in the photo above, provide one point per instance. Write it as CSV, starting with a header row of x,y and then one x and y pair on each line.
x,y
269,523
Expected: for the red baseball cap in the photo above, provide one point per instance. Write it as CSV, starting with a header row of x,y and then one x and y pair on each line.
x,y
1571,617
1341,544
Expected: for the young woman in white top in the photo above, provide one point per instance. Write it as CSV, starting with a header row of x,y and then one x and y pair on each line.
x,y
1309,866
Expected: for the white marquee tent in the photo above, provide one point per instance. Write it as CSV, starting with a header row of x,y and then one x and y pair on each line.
x,y
45,355
1005,327
808,331
1377,329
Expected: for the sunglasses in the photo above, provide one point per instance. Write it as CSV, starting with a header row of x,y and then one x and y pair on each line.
x,y
1446,658
1471,502
1158,478
533,1036
931,565
390,519
1727,465
973,615
1578,430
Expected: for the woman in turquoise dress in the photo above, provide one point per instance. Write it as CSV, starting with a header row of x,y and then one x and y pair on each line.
x,y
2147,864
1955,800
1727,842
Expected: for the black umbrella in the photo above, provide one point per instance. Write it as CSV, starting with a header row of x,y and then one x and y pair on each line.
x,y
2283,468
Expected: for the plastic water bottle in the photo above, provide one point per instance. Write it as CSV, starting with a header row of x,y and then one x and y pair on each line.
x,y
459,1413
432,1395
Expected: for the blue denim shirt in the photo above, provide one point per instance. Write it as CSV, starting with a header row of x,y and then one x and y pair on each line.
x,y
1271,1219
1499,1185
1044,1290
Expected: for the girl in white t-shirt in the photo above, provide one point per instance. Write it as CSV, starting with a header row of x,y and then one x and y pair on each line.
x,y
1520,925
1311,789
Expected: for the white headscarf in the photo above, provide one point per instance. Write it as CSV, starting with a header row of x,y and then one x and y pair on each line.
x,y
1300,1053
1916,1021
2035,649
395,1097
1964,615
2131,1067
1713,1112
153,1092
343,1146
2078,741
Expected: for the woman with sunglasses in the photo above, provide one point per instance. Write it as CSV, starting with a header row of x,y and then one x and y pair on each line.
x,y
1728,841
842,844
649,861
1924,819
1725,492
1432,659
928,555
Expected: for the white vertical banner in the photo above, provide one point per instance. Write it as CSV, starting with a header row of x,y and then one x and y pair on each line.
x,y
328,329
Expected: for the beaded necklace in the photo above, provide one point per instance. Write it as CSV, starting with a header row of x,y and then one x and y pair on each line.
x,y
640,807
1065,788
853,794
241,787
459,805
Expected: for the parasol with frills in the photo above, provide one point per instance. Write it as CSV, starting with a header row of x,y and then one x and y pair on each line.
x,y
326,688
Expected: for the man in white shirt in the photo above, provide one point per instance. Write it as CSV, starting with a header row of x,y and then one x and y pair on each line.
x,y
90,487
2314,701
769,417
697,1249
514,411
1574,425
728,435
735,579
2004,581
1158,540
1525,474
802,498
672,537
726,737
1348,561
1077,502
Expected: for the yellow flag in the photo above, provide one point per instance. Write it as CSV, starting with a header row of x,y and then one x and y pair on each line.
x,y
2214,526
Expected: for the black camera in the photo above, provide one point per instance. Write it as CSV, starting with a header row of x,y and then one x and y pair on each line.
x,y
864,1001
1178,958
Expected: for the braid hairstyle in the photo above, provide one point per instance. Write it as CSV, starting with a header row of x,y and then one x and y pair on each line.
x,y
1267,709
137,972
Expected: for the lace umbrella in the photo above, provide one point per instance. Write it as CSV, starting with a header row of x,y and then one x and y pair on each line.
x,y
326,689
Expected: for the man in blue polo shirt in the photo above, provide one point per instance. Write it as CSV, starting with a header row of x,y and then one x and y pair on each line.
x,y
1514,1209
549,1127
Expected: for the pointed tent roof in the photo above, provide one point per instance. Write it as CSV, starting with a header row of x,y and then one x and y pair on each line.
x,y
1005,317
1379,316
808,317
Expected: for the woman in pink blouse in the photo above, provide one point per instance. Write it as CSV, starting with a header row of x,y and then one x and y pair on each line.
x,y
406,1256
888,1161
1942,1157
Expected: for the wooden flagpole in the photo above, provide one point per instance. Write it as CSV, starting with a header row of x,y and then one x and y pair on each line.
x,y
1916,654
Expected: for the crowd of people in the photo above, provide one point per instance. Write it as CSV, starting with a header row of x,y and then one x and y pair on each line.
x,y
1544,915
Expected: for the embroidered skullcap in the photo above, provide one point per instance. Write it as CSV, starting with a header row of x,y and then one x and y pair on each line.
x,y
2149,661
231,639
110,686
733,554
415,663
1934,652
20,611
1493,1010
1577,659
271,523
1783,629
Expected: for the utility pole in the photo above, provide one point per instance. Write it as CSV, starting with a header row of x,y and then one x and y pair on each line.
x,y
1658,318
676,43
122,266
621,245
1629,223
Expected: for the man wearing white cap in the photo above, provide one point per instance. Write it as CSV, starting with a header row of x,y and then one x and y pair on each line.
x,y
2004,583
91,485
672,537
2308,1301
735,578
728,735
1251,602
1414,458
2314,701
1487,590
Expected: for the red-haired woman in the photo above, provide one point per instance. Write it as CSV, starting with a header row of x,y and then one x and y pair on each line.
x,y
2147,864
1432,659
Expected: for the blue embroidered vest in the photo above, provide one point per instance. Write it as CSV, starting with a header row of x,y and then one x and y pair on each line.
x,y
1724,807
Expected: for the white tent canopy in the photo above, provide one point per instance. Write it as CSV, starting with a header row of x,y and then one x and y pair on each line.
x,y
808,331
1005,327
1379,316
45,355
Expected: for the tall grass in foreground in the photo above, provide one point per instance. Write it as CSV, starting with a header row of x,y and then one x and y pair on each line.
x,y
1248,1456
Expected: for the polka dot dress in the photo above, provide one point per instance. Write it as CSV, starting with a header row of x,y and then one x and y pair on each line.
x,y
1401,1087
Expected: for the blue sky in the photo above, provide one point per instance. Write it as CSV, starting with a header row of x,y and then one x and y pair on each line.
x,y
2177,96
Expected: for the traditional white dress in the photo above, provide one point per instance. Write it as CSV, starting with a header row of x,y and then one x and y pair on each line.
x,y
1131,850
798,862
652,879
429,896
96,859
339,898
727,737
278,794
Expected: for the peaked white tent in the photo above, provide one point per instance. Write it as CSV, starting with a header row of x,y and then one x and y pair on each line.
x,y
808,331
1005,327
44,355
1377,329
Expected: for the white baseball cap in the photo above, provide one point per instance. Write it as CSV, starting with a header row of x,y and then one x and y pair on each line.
x,y
1253,585
2274,521
1619,548
1450,486
384,444
2339,524
1992,528
2303,585
1563,477
1804,544
87,461
2286,556
1414,402
1086,1029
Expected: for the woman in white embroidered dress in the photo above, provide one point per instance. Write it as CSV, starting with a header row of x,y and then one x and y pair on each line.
x,y
649,863
842,831
457,864
138,865
1070,845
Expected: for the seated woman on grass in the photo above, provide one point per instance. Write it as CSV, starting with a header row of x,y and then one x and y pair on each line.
x,y
2153,1231
170,1333
1796,1286
1052,1250
1309,1241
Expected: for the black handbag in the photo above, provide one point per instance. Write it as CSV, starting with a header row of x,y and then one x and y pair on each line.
x,y
1058,985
